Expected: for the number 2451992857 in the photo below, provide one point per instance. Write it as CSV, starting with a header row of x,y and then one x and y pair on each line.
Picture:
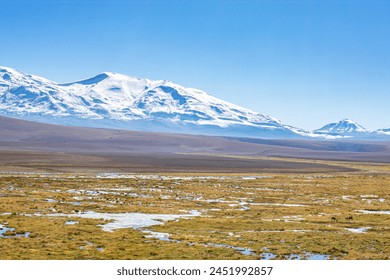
x,y
241,270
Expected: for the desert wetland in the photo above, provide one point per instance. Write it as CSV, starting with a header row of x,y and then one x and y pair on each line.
x,y
342,212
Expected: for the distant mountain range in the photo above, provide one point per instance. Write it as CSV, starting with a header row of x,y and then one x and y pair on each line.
x,y
29,142
111,100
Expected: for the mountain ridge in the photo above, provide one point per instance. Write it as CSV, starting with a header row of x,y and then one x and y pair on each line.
x,y
123,101
113,100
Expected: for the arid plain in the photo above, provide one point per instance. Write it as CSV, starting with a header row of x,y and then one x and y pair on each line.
x,y
83,193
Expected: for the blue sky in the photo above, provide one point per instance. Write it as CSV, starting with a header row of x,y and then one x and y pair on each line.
x,y
306,63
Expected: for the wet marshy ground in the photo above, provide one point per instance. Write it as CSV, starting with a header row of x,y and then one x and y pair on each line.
x,y
192,216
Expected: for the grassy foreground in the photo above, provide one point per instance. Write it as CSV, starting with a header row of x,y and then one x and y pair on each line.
x,y
250,216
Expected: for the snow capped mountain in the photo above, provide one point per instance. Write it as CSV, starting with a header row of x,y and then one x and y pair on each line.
x,y
343,127
384,131
112,100
116,100
348,129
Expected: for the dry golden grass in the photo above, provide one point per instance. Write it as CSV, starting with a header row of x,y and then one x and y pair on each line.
x,y
287,215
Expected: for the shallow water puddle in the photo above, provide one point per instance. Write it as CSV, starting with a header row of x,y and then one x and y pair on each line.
x,y
244,251
305,256
129,220
267,255
7,232
308,256
158,235
165,237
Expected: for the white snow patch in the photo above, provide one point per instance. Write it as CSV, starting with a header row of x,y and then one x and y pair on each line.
x,y
71,222
358,230
278,204
369,196
384,212
129,220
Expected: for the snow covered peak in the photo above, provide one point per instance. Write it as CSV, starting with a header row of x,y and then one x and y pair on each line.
x,y
9,74
4,69
13,76
348,121
94,80
114,100
118,76
10,71
383,131
345,126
